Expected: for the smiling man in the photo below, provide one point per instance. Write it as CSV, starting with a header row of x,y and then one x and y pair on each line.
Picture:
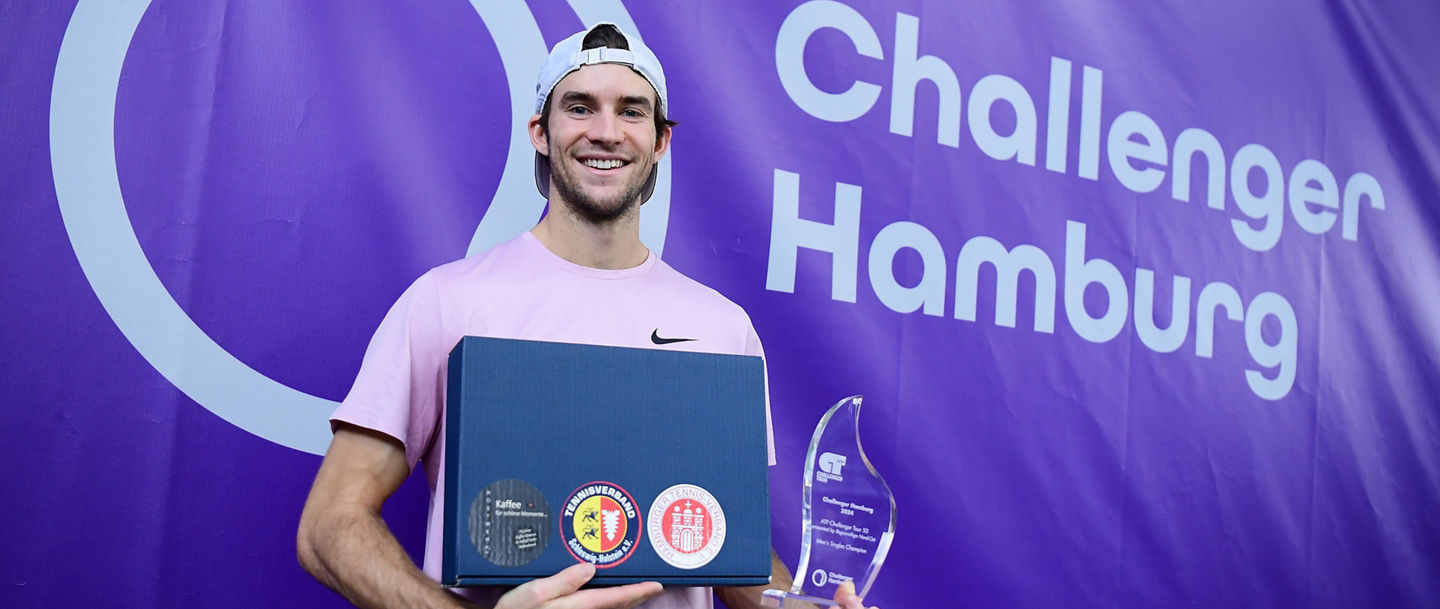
x,y
616,153
581,275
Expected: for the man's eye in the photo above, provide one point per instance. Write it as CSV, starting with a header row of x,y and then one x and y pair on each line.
x,y
632,113
578,110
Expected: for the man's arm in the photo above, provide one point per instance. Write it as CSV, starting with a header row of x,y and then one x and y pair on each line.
x,y
346,545
750,598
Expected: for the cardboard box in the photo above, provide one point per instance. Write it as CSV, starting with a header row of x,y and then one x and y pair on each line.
x,y
650,464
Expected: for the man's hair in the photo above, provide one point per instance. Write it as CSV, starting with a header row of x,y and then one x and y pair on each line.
x,y
608,37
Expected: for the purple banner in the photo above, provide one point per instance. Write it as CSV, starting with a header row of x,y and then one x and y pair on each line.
x,y
1142,298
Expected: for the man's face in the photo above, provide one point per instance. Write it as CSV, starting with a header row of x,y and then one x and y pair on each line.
x,y
602,141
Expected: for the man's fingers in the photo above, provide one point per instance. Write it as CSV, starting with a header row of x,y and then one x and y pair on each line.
x,y
845,596
537,592
562,591
619,597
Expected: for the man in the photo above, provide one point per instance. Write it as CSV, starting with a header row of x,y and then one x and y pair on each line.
x,y
581,276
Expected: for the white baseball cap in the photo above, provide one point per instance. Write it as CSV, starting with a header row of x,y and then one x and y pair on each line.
x,y
567,57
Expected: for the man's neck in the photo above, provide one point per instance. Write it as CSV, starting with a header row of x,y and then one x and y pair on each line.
x,y
611,245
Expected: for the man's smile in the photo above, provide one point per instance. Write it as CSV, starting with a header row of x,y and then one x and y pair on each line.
x,y
596,163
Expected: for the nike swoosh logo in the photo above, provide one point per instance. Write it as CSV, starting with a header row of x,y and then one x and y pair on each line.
x,y
655,338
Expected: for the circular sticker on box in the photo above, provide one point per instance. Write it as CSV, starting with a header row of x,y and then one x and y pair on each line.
x,y
687,526
510,522
600,524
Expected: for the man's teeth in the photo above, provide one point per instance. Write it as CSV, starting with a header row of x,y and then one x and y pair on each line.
x,y
605,164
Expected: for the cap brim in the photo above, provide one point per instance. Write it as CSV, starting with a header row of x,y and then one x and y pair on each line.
x,y
542,175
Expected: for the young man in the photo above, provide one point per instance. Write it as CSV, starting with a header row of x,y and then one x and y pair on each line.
x,y
580,276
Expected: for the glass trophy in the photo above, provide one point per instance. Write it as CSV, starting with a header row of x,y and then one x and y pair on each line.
x,y
848,513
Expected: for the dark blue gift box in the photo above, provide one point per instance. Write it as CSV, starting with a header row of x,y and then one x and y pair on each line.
x,y
649,463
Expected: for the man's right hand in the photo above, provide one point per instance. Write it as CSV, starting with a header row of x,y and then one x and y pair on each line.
x,y
562,591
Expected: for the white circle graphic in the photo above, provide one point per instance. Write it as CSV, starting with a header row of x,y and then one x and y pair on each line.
x,y
87,188
819,578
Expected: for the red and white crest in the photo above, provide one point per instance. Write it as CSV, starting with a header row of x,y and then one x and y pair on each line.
x,y
687,526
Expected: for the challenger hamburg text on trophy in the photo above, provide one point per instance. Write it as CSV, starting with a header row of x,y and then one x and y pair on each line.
x,y
848,513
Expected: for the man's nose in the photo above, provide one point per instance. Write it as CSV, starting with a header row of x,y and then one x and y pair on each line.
x,y
606,128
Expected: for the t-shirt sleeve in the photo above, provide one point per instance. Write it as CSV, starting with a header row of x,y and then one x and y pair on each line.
x,y
399,389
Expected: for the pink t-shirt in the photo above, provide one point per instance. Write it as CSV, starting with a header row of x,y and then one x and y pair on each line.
x,y
520,289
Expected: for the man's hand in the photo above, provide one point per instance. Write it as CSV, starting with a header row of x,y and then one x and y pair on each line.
x,y
846,598
562,591
780,579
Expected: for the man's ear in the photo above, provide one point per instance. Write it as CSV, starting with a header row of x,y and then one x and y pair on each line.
x,y
538,139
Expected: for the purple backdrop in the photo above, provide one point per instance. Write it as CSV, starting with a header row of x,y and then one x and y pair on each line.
x,y
868,179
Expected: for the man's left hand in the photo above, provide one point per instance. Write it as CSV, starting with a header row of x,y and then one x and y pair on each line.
x,y
846,598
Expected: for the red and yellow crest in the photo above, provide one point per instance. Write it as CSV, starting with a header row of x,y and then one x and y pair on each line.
x,y
600,524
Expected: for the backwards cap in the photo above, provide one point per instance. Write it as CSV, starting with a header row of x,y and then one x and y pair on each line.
x,y
567,57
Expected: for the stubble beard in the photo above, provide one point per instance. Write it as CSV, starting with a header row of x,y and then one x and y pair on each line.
x,y
593,209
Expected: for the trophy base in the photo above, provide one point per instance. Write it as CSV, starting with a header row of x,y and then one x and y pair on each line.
x,y
778,598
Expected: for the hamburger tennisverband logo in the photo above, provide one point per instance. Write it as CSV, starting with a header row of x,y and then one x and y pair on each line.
x,y
687,526
600,524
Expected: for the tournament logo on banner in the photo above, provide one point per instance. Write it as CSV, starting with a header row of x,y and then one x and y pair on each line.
x,y
687,526
600,524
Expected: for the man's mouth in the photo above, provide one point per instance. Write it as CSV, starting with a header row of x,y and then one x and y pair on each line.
x,y
603,163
